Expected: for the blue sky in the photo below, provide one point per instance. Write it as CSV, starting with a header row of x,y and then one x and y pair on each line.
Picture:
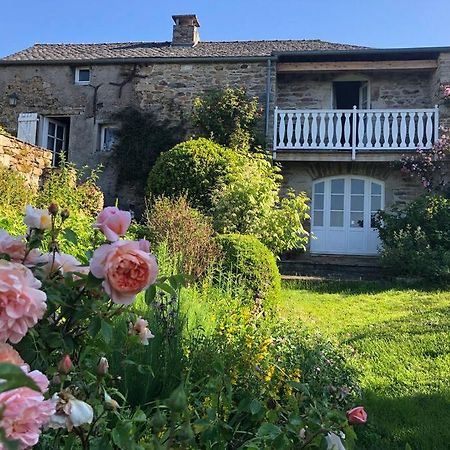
x,y
375,23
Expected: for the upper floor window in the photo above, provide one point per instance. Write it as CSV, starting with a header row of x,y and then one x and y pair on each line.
x,y
108,137
82,75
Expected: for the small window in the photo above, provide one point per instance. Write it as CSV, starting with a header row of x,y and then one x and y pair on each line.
x,y
108,137
82,75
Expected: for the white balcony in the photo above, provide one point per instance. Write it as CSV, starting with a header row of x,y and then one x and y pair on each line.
x,y
355,130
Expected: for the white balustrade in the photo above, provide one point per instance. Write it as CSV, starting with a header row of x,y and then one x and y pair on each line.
x,y
357,129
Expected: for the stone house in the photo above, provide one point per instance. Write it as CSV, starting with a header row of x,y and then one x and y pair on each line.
x,y
335,115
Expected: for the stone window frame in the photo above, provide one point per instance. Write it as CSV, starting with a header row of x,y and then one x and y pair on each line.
x,y
77,75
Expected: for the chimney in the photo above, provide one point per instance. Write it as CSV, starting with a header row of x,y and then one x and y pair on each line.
x,y
185,30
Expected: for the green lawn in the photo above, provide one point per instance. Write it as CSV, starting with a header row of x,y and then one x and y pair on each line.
x,y
400,343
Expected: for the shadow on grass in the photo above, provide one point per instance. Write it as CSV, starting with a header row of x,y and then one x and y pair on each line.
x,y
361,287
422,421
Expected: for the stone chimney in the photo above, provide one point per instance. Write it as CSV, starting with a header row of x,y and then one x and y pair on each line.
x,y
185,30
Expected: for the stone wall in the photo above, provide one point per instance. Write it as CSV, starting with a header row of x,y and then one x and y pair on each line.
x,y
388,90
29,160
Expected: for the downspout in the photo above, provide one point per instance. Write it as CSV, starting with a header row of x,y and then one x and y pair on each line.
x,y
268,88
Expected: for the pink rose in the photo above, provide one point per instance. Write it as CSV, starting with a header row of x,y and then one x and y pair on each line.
x,y
15,248
24,411
62,263
357,415
113,223
126,267
141,329
22,304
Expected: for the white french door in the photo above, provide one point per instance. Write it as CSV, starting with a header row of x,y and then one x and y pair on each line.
x,y
343,210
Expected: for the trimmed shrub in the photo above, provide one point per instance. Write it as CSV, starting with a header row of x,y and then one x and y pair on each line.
x,y
192,168
186,231
416,240
252,265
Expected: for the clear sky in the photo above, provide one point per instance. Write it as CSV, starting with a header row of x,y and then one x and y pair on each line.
x,y
374,23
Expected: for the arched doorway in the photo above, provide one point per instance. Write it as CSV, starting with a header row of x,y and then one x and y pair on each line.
x,y
343,208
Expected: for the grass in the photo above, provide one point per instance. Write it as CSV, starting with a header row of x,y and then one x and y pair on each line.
x,y
400,341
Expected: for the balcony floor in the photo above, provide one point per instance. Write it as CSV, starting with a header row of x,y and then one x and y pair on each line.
x,y
340,155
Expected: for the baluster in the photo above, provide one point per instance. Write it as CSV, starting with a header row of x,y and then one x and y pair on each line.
x,y
297,129
330,129
377,130
429,130
290,130
402,129
314,129
420,129
369,129
306,131
386,116
339,130
394,131
411,129
360,143
281,131
347,129
321,118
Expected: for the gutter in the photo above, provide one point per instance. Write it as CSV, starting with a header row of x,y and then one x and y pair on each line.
x,y
149,60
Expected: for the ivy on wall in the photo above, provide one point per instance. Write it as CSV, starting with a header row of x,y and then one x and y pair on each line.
x,y
141,138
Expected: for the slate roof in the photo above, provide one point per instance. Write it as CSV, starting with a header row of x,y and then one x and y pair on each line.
x,y
127,50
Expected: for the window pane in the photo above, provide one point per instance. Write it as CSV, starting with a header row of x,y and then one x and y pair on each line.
x,y
60,132
337,202
84,75
357,219
376,188
357,203
337,186
337,218
318,201
375,203
318,218
51,128
109,138
319,187
357,186
50,143
58,144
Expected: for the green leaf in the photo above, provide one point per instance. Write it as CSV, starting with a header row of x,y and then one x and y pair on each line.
x,y
122,436
255,407
14,378
107,331
70,236
150,294
166,288
269,430
94,326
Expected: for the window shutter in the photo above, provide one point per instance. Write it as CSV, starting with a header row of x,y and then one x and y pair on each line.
x,y
27,127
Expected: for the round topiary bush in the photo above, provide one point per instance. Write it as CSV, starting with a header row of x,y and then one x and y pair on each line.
x,y
192,168
252,265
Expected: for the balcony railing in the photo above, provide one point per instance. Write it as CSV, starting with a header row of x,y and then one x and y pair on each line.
x,y
355,129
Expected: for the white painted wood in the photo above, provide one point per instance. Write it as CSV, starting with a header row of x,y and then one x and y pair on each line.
x,y
27,127
358,129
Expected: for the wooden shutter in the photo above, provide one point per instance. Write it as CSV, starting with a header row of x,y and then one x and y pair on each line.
x,y
27,127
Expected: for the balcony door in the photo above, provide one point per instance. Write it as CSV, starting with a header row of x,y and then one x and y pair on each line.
x,y
343,211
347,94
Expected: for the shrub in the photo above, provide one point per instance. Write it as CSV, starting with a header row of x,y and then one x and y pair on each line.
x,y
253,265
247,201
186,231
192,168
15,194
141,138
416,240
228,117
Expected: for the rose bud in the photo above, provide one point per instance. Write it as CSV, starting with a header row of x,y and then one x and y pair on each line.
x,y
103,366
65,214
357,415
65,365
53,209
